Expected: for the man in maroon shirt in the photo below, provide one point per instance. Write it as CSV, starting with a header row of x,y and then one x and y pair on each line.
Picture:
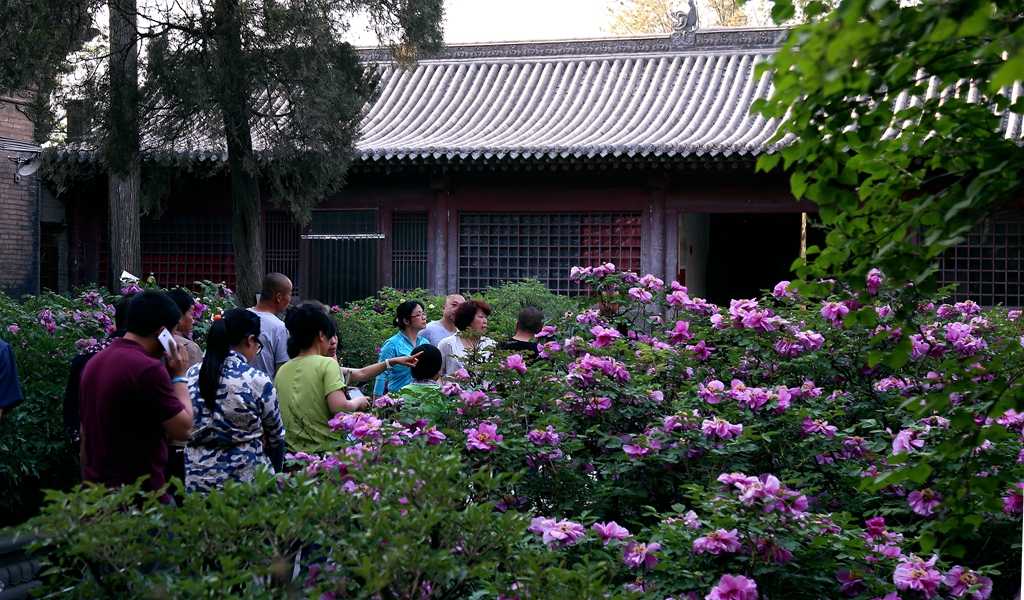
x,y
131,402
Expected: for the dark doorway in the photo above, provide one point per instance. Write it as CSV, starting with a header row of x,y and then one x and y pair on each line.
x,y
49,256
749,253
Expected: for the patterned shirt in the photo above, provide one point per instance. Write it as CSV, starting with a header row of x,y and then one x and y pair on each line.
x,y
227,442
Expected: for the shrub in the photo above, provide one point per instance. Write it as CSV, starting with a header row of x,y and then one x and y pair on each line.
x,y
663,447
405,522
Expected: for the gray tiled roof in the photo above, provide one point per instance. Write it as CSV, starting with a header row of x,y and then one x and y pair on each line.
x,y
687,94
635,97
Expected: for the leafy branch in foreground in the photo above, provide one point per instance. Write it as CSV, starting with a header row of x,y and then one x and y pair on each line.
x,y
894,120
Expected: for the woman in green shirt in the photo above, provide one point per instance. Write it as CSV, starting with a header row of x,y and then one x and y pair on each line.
x,y
309,387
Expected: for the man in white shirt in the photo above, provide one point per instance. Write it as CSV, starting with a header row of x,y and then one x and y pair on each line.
x,y
274,299
438,330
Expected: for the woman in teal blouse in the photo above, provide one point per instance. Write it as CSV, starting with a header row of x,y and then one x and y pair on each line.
x,y
410,319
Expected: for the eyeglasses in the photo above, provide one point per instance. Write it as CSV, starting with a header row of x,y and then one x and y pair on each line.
x,y
259,346
418,315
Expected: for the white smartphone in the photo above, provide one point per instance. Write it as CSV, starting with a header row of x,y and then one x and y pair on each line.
x,y
354,392
167,341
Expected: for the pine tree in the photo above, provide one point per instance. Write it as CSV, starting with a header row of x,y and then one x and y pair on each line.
x,y
271,83
275,85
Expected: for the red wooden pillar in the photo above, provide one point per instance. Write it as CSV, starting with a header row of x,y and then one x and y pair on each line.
x,y
439,267
657,184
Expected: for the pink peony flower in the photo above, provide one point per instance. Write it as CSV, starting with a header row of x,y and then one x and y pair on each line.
x,y
720,428
542,437
595,404
716,542
701,350
13,328
918,575
782,290
834,311
635,452
636,555
906,440
924,502
562,533
960,580
874,281
604,336
1014,501
610,531
733,588
712,392
515,362
680,333
485,437
640,294
852,582
810,426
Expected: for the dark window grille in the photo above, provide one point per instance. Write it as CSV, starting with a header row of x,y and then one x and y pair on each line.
x,y
182,249
510,247
409,250
989,265
342,252
282,247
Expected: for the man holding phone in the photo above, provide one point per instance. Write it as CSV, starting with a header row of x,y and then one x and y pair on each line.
x,y
131,402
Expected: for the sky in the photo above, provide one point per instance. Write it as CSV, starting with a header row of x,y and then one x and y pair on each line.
x,y
501,20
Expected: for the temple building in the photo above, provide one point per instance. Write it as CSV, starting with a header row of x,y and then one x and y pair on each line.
x,y
499,162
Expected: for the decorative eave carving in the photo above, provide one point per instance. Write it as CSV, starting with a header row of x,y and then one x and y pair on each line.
x,y
737,39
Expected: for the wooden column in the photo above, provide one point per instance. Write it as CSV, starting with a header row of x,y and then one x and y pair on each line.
x,y
657,184
439,237
74,242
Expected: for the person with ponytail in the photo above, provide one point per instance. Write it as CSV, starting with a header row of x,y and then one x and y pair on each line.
x,y
235,407
310,385
410,319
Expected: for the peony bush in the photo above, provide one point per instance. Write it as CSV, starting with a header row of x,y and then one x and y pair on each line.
x,y
661,447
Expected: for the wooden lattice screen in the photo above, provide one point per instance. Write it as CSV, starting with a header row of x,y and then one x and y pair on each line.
x,y
509,247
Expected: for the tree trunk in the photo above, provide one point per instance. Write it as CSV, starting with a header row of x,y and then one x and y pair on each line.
x,y
245,190
124,227
122,145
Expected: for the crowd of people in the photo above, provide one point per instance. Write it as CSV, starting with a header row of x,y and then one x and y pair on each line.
x,y
140,404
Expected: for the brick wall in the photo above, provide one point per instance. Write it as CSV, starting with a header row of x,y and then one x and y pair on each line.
x,y
19,213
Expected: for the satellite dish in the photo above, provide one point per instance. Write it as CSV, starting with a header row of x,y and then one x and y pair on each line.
x,y
29,167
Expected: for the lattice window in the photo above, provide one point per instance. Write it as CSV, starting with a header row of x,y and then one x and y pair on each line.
x,y
182,249
988,267
281,245
509,247
342,256
409,250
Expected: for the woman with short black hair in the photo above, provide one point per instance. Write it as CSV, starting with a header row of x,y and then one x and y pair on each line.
x,y
471,319
234,406
410,319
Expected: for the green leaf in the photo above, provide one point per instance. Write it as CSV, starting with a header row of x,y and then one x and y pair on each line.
x,y
767,162
828,213
798,183
919,473
1010,72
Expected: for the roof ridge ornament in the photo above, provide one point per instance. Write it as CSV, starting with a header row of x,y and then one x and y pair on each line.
x,y
684,27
